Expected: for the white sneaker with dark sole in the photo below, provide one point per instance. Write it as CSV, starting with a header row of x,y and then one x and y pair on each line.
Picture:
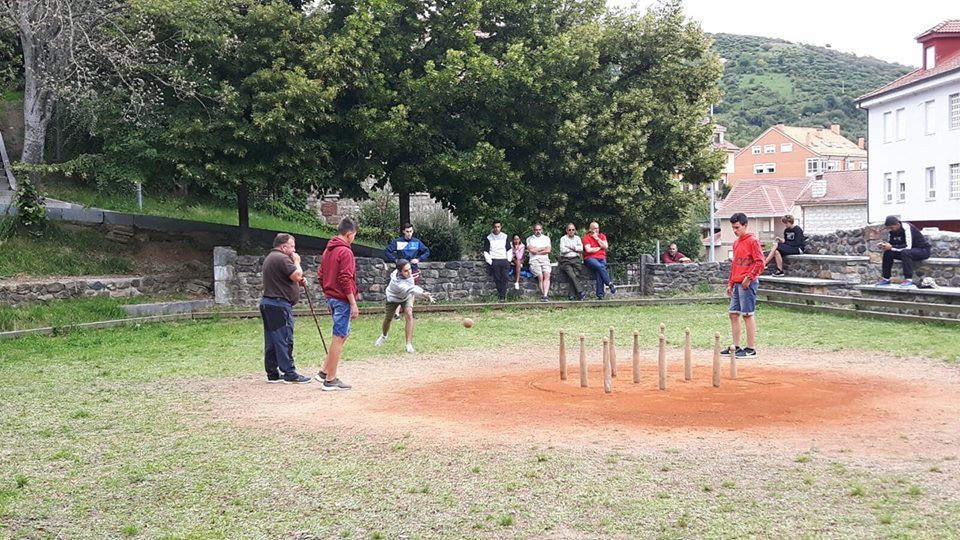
x,y
379,341
409,348
334,385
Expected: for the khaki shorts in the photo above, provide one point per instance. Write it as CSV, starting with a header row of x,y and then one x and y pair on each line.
x,y
391,307
539,266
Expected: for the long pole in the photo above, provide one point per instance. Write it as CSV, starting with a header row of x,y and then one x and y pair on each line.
x,y
306,290
713,248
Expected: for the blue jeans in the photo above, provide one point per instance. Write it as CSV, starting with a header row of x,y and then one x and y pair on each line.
x,y
744,301
277,315
340,312
599,267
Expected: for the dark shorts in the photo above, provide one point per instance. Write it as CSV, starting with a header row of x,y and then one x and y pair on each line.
x,y
785,249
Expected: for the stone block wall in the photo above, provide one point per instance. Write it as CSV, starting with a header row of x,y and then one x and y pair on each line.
x,y
669,278
118,287
863,241
238,280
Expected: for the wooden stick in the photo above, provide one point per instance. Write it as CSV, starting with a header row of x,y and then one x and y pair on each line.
x,y
636,357
563,357
583,361
613,355
662,362
733,362
716,359
687,367
607,377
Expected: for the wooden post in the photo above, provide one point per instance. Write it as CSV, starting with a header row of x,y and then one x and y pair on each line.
x,y
607,377
613,355
636,357
733,362
687,367
716,359
563,357
583,361
663,329
662,362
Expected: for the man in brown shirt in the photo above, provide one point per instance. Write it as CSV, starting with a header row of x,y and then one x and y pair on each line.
x,y
282,277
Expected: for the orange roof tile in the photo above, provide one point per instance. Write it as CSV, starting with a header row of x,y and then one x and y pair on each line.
x,y
842,187
760,197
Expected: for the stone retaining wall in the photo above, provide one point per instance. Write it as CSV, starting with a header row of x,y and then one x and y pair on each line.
x,y
238,280
85,287
669,278
864,241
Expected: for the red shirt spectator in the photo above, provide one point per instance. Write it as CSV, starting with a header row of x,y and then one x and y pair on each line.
x,y
589,240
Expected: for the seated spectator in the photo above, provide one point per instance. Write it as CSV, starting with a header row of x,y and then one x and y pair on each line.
x,y
792,243
595,247
518,252
907,244
674,256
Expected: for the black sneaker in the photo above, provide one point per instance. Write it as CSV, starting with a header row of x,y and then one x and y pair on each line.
x,y
726,352
335,384
274,380
396,316
544,299
582,296
320,376
613,290
301,379
778,272
746,352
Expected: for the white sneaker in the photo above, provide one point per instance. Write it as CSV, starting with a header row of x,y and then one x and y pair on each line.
x,y
516,285
410,348
379,341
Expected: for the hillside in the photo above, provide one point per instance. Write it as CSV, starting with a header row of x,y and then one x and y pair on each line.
x,y
769,80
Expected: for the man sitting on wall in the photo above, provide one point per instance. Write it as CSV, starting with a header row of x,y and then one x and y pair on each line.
x,y
792,243
907,244
673,256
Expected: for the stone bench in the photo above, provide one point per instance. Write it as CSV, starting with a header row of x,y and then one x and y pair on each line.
x,y
941,302
805,284
851,259
848,268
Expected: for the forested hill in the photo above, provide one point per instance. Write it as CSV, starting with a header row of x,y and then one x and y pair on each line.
x,y
769,80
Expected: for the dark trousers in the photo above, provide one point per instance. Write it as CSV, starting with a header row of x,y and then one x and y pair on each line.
x,y
906,256
277,315
500,268
570,267
599,266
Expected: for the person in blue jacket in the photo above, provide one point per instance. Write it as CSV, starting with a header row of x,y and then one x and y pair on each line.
x,y
407,247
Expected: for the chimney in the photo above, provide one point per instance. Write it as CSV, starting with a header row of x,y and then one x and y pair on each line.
x,y
861,143
835,128
818,188
778,125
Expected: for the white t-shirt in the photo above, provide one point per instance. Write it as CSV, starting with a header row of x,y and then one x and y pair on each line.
x,y
534,241
570,248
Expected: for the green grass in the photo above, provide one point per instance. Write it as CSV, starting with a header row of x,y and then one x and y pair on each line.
x,y
63,251
72,311
184,208
106,436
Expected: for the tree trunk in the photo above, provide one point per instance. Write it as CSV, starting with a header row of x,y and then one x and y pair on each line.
x,y
243,215
37,106
404,197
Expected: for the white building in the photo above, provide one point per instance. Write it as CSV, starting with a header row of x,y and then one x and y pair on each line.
x,y
914,137
835,201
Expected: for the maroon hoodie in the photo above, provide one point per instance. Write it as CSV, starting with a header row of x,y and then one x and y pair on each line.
x,y
338,270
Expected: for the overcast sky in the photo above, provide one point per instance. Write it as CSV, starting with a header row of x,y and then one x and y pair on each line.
x,y
883,29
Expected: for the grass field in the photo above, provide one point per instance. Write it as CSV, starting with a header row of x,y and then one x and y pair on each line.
x,y
63,252
106,436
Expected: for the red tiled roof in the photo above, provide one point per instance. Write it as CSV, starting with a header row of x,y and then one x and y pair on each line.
x,y
759,197
946,27
950,64
842,187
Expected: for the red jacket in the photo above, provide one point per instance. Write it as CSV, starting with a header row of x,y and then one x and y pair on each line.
x,y
747,259
338,270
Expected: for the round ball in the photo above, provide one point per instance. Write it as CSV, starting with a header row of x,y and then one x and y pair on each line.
x,y
467,322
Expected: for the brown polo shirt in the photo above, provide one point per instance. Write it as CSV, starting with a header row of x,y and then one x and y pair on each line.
x,y
277,268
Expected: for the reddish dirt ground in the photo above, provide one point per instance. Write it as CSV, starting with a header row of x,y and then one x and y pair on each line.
x,y
790,401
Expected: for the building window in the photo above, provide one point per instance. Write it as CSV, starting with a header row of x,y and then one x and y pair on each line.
x,y
930,57
931,176
769,148
863,165
765,225
764,168
717,138
756,150
954,111
786,147
814,166
955,181
901,186
887,127
901,124
833,165
929,118
887,188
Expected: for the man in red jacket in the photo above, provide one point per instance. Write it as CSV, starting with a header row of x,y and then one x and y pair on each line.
x,y
338,277
742,286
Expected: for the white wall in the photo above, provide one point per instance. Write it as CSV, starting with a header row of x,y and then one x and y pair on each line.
x,y
830,218
914,153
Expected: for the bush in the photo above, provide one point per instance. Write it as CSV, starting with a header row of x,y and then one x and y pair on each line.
x,y
379,218
442,234
31,212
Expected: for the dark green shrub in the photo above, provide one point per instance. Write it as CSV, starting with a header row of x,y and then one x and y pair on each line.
x,y
31,211
379,218
442,234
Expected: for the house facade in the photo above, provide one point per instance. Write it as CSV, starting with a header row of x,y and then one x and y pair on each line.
x,y
790,152
835,201
914,133
764,201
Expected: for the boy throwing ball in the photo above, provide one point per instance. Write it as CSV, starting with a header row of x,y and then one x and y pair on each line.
x,y
400,294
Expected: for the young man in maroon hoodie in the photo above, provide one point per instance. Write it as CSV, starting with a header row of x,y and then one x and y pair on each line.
x,y
338,277
746,266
